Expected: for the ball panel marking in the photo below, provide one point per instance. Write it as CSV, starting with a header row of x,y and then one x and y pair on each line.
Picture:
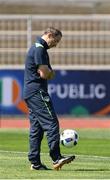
x,y
69,138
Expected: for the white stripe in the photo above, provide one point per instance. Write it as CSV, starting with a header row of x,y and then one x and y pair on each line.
x,y
82,155
7,91
86,67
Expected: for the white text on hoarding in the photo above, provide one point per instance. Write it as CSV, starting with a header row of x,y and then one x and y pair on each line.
x,y
78,91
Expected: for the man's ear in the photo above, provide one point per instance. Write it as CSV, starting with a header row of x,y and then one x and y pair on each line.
x,y
49,35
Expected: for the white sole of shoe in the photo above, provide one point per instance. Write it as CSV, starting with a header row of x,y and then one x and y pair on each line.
x,y
59,165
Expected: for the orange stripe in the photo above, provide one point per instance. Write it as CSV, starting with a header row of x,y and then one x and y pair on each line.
x,y
15,90
22,106
64,123
103,111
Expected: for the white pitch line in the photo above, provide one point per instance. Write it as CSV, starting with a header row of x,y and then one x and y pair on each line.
x,y
18,152
90,156
82,155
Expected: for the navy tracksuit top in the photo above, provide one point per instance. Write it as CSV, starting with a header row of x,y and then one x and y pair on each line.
x,y
37,55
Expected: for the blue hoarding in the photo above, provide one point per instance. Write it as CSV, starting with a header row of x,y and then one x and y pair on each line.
x,y
74,92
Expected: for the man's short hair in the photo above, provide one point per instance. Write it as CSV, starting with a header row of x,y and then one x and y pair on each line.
x,y
55,32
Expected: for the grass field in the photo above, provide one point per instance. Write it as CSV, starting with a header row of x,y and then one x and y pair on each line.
x,y
92,156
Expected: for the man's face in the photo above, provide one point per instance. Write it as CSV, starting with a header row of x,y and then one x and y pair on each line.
x,y
53,41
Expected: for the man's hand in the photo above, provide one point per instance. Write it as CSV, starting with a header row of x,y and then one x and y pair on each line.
x,y
51,74
45,72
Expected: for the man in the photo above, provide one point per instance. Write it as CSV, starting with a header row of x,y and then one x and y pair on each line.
x,y
41,112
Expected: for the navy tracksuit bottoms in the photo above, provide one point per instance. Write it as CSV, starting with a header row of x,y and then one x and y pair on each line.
x,y
42,119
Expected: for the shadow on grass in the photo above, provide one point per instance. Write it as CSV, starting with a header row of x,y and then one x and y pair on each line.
x,y
76,170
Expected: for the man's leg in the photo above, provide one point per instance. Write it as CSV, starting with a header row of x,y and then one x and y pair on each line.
x,y
35,137
53,135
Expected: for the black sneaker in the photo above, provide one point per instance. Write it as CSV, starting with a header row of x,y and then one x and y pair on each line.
x,y
39,167
57,165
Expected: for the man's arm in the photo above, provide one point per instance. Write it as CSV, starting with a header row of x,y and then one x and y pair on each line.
x,y
45,72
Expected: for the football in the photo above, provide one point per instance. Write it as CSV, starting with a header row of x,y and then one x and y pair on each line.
x,y
69,138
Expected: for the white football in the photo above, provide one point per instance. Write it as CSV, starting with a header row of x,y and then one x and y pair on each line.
x,y
69,138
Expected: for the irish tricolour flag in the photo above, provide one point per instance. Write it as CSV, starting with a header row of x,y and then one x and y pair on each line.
x,y
9,91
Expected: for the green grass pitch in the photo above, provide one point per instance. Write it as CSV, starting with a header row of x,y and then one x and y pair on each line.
x,y
92,156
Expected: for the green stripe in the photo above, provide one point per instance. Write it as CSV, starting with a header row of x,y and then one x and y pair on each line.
x,y
46,105
0,91
39,45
